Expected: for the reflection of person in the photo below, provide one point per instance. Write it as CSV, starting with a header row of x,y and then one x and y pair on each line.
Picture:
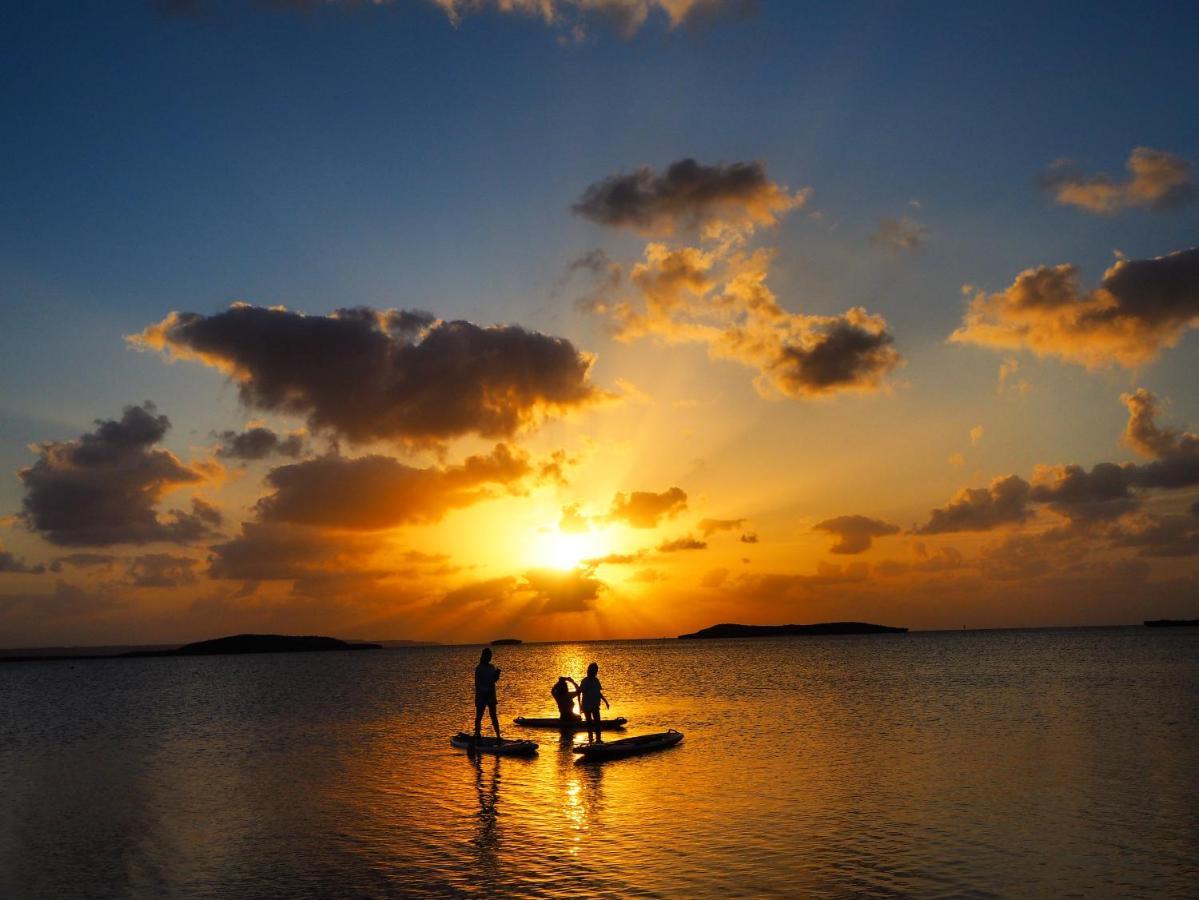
x,y
591,692
486,675
565,697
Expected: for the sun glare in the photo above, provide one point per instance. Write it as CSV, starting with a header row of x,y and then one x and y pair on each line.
x,y
560,550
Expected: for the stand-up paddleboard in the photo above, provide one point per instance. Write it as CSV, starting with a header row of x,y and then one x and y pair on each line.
x,y
570,724
506,747
633,746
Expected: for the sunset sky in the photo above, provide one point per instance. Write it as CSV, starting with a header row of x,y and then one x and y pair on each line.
x,y
457,319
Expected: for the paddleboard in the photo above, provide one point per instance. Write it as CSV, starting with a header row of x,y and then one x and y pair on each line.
x,y
506,747
632,746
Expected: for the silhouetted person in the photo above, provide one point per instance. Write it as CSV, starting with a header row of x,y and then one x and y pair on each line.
x,y
486,675
565,697
591,692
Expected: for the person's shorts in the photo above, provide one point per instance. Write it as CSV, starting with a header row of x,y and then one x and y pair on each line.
x,y
484,701
595,710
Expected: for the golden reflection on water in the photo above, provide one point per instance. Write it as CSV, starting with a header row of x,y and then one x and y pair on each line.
x,y
915,766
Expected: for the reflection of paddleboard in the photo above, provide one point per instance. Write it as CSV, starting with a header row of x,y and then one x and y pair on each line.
x,y
506,747
571,724
643,743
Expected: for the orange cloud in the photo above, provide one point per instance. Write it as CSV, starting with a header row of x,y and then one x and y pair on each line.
x,y
645,509
1156,180
855,534
1140,308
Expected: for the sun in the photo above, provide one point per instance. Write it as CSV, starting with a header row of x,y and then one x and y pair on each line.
x,y
556,549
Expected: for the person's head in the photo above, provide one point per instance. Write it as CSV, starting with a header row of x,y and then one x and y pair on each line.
x,y
561,679
593,669
485,656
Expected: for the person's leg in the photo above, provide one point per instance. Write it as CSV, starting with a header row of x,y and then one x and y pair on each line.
x,y
592,731
495,720
478,718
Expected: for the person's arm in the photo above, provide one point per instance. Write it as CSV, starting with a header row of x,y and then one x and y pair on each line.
x,y
607,705
497,675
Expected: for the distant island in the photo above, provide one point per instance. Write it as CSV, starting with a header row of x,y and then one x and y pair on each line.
x,y
234,644
729,630
503,642
1171,623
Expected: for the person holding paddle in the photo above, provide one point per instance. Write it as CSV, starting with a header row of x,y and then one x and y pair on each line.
x,y
591,692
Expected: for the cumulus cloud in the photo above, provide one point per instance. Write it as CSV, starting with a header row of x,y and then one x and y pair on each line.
x,y
1004,502
1156,180
1175,454
1105,493
855,534
713,199
368,375
902,235
14,565
719,298
377,492
259,442
1102,493
645,509
1140,308
104,487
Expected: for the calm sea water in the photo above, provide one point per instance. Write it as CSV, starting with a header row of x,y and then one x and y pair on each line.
x,y
983,763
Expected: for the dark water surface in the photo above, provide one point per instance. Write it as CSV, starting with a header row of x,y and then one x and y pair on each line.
x,y
985,763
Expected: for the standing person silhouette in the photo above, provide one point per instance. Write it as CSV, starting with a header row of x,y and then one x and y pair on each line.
x,y
591,692
486,676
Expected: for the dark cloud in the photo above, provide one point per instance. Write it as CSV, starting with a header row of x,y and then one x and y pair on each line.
x,y
846,353
899,235
377,492
855,534
1175,453
1105,493
259,442
750,537
1141,307
575,590
104,487
1102,493
709,527
1156,180
1005,502
684,543
282,552
645,509
161,570
720,298
87,560
1160,535
688,194
13,565
368,375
